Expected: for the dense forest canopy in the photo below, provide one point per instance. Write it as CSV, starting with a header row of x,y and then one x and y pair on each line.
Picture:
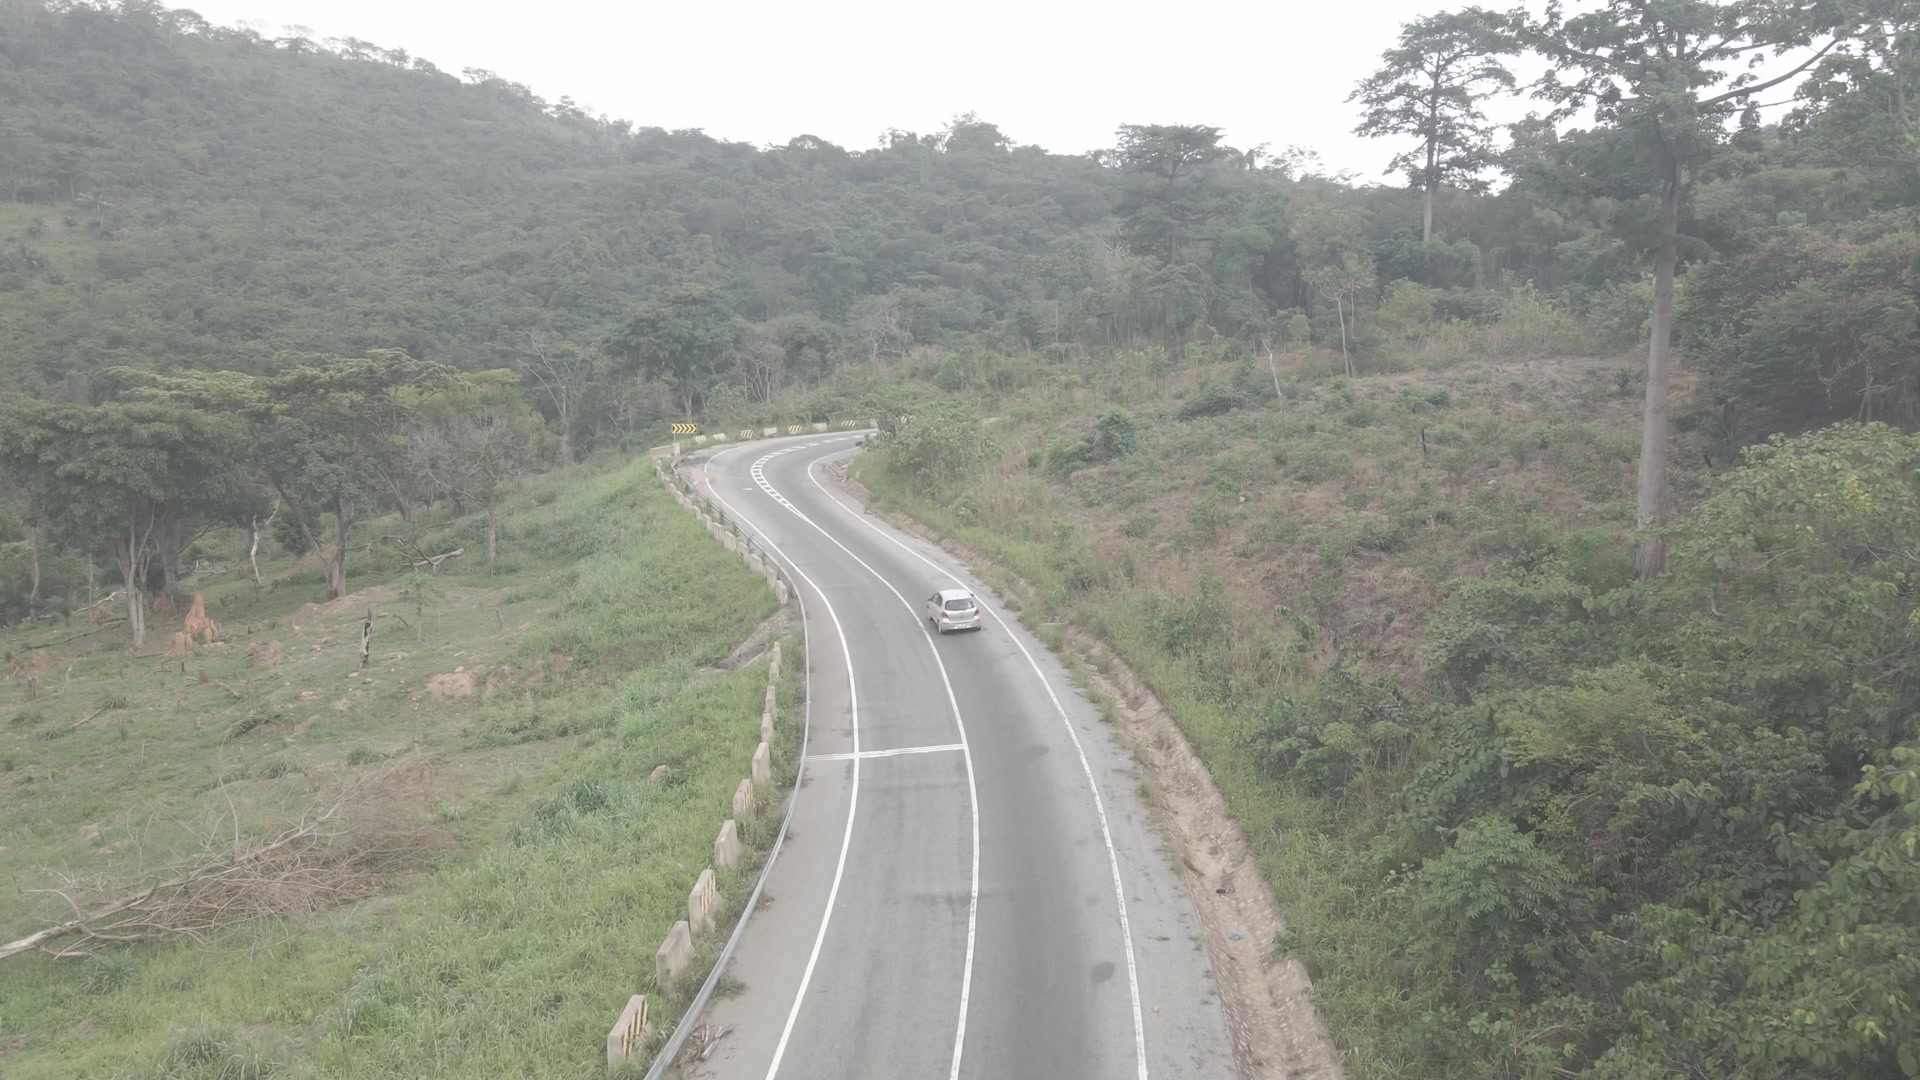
x,y
182,195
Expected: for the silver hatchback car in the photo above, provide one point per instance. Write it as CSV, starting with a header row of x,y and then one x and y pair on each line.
x,y
953,609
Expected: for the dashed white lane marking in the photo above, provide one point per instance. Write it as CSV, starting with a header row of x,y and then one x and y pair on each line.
x,y
853,801
973,794
896,752
1099,804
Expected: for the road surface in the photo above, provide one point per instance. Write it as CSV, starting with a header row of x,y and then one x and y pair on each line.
x,y
971,886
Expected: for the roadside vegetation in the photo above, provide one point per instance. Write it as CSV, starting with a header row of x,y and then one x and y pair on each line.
x,y
503,860
1523,811
1526,547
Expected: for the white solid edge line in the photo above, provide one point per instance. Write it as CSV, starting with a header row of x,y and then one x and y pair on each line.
x,y
896,752
973,794
1099,804
853,801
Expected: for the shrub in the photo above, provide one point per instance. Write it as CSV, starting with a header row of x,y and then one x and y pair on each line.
x,y
1312,461
1213,399
1207,520
1116,435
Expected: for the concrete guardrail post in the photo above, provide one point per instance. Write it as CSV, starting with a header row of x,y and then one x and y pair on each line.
x,y
630,1033
726,847
673,956
703,903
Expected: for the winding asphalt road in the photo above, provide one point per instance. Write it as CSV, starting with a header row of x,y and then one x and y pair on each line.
x,y
970,886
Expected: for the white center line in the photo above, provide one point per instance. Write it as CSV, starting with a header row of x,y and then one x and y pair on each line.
x,y
895,752
973,793
1099,804
853,801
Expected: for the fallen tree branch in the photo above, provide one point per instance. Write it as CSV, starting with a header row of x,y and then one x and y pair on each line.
x,y
407,547
317,861
432,562
242,726
76,637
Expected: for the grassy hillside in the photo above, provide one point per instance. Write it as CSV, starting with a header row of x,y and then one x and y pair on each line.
x,y
502,866
1523,812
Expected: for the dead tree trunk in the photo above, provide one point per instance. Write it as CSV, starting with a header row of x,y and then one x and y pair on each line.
x,y
253,542
1652,502
493,530
33,571
366,639
343,512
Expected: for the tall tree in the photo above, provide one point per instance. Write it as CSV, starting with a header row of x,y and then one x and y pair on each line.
x,y
1659,74
334,428
1161,212
122,478
473,444
1430,87
1862,103
1338,266
684,339
561,372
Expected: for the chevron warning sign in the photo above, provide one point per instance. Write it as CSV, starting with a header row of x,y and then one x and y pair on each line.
x,y
686,429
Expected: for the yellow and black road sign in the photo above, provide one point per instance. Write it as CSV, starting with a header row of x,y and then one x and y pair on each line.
x,y
686,429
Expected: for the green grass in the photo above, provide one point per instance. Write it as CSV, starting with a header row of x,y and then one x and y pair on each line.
x,y
557,865
1305,845
1348,535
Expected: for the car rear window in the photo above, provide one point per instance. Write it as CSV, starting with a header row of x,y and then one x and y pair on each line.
x,y
959,605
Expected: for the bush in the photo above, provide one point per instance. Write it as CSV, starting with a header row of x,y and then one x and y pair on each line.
x,y
1207,520
1418,399
1312,461
1116,435
1213,399
1618,315
1381,535
938,448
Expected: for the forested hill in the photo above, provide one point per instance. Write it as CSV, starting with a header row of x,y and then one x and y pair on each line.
x,y
174,194
178,194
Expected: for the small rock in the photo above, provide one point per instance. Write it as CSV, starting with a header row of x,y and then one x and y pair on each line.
x,y
309,695
90,833
1235,935
353,674
658,772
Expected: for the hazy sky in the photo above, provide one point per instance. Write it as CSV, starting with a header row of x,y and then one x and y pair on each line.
x,y
1060,75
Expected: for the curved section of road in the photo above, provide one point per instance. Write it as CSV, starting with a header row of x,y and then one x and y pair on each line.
x,y
970,886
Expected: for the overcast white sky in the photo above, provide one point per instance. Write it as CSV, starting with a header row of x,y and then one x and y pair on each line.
x,y
1060,75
